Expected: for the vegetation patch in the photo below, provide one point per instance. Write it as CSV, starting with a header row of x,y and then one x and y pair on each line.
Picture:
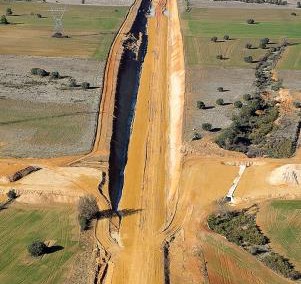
x,y
254,130
240,228
20,227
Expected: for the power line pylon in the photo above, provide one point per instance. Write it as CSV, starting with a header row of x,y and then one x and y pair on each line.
x,y
57,13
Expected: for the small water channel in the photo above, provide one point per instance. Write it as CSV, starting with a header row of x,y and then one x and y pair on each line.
x,y
128,79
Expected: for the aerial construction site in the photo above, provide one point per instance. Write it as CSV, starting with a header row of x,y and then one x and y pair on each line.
x,y
150,141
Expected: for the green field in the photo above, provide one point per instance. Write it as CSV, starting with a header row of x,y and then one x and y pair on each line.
x,y
91,30
281,222
200,25
20,226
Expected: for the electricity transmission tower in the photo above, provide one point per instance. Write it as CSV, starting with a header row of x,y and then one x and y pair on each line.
x,y
57,13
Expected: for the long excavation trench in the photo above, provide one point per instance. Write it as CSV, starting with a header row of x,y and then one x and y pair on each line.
x,y
128,78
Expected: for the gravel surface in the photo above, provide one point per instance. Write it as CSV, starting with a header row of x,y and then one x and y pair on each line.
x,y
202,84
39,117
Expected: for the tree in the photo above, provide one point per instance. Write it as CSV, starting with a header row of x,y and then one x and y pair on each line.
x,y
226,37
85,85
72,83
238,104
248,59
251,21
9,12
37,248
220,57
196,136
220,102
83,223
265,40
3,20
42,72
87,207
214,39
200,105
206,126
39,15
12,194
298,4
55,75
293,14
262,45
220,89
248,45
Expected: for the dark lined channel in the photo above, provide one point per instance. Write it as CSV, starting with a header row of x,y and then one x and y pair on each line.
x,y
125,101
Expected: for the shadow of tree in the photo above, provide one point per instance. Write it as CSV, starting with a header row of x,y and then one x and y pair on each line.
x,y
109,213
53,249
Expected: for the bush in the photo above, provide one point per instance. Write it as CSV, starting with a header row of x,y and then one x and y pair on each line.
x,y
219,56
87,207
220,89
9,12
248,45
37,248
3,20
293,14
250,21
85,85
248,59
214,39
12,194
278,263
39,15
220,102
226,37
200,105
55,75
238,104
206,126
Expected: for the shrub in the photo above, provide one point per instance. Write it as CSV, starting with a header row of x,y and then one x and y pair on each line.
x,y
220,57
220,89
262,45
293,14
247,97
12,194
298,4
248,45
85,85
248,59
206,126
39,15
55,75
9,12
214,39
226,37
37,248
87,207
220,102
200,105
238,104
278,263
3,20
72,83
250,21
